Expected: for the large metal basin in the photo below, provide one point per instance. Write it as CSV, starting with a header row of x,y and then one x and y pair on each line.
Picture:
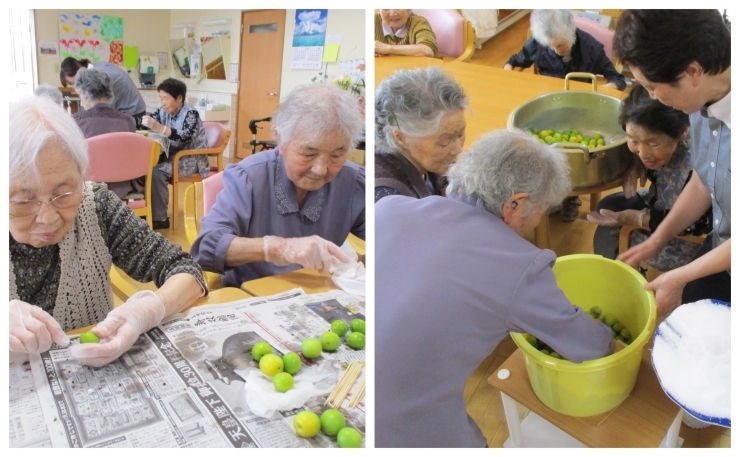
x,y
590,112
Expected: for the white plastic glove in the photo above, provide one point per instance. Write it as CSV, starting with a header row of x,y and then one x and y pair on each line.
x,y
611,219
312,252
120,329
636,172
150,122
32,329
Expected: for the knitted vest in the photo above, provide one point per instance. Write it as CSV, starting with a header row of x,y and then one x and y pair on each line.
x,y
84,295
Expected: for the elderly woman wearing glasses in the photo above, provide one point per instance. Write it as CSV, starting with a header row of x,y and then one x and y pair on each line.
x,y
64,235
419,132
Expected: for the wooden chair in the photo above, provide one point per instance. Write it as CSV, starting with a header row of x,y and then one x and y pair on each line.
x,y
217,137
123,156
199,199
455,34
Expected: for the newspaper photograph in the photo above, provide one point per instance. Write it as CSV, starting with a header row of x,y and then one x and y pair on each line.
x,y
183,383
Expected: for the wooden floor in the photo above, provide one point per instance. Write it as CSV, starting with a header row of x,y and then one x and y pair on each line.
x,y
483,401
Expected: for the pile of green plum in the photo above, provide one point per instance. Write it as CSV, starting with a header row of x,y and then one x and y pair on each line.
x,y
332,423
551,136
619,332
282,369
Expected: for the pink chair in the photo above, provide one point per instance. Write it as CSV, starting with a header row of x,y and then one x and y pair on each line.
x,y
598,31
217,137
199,199
123,156
455,35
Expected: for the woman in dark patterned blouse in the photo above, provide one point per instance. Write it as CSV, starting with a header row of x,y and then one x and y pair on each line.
x,y
64,235
657,134
181,124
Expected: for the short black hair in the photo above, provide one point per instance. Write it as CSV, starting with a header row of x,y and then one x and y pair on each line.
x,y
639,109
662,43
69,68
174,87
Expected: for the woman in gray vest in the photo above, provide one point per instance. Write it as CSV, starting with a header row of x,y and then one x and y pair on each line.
x,y
64,235
419,132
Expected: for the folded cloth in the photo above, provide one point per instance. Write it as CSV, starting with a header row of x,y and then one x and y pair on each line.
x,y
310,382
691,357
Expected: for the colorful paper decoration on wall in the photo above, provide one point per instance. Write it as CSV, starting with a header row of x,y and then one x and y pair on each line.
x,y
94,37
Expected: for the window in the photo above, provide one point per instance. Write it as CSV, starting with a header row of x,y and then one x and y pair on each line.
x,y
22,53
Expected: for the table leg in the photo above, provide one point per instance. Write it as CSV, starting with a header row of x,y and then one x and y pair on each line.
x,y
671,436
512,420
595,197
541,232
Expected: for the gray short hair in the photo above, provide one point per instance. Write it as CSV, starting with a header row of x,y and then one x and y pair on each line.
x,y
94,85
414,101
313,110
50,91
36,123
504,162
550,25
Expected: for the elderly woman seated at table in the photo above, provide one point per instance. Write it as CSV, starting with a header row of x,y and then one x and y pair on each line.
x,y
448,292
419,132
180,123
64,235
403,33
557,48
290,207
657,135
99,117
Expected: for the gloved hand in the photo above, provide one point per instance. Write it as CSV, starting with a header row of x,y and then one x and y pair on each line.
x,y
312,252
32,329
120,329
636,172
150,122
611,219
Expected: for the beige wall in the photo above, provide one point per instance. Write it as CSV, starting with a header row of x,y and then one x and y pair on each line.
x,y
149,30
350,24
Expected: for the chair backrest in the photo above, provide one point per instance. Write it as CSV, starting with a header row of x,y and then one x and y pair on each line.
x,y
212,185
449,28
602,34
215,135
120,156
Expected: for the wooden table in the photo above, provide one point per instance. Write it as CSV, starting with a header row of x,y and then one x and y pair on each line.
x,y
385,66
647,418
494,93
310,280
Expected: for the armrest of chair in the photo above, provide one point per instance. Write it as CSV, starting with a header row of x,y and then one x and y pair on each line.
x,y
120,286
624,236
469,40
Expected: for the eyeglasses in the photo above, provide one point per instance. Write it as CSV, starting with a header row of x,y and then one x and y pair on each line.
x,y
24,208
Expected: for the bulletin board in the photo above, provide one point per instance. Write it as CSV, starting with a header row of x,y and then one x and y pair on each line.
x,y
94,37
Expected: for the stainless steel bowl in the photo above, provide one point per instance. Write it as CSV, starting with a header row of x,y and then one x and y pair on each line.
x,y
589,112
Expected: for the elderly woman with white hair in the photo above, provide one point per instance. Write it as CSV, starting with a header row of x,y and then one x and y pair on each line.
x,y
64,235
50,91
455,275
557,48
419,132
290,207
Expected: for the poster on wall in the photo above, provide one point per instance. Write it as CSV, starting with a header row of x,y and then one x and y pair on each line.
x,y
94,37
309,35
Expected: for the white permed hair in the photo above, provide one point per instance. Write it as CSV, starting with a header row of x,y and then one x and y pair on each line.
x,y
504,162
36,123
313,110
552,25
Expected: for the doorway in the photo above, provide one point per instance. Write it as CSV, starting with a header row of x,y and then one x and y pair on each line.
x,y
260,69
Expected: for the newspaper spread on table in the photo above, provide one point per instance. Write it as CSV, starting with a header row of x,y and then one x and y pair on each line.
x,y
181,383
